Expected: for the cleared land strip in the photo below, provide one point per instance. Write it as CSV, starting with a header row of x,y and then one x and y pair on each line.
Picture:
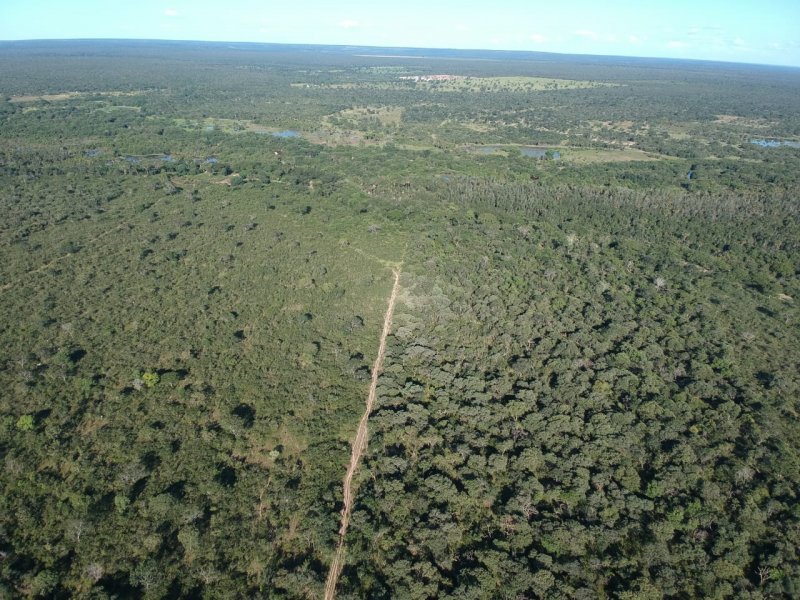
x,y
359,445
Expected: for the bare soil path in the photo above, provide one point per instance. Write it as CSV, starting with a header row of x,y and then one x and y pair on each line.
x,y
359,445
57,259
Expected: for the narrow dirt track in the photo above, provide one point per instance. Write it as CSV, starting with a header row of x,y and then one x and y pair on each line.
x,y
359,445
57,259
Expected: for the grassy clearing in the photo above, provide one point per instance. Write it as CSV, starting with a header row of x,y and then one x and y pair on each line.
x,y
568,154
61,97
743,121
587,156
338,137
477,126
624,126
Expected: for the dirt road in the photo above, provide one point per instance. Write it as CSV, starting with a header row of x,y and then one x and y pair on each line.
x,y
359,445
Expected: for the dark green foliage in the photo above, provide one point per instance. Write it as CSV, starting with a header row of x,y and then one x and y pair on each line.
x,y
588,420
591,386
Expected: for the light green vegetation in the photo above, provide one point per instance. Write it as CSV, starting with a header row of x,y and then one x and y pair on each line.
x,y
589,155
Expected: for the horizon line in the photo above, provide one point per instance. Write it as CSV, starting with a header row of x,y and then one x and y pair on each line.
x,y
438,48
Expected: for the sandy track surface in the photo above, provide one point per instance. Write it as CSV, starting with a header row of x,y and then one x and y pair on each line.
x,y
359,445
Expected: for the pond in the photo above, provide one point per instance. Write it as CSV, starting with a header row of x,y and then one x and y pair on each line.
x,y
540,152
289,133
528,151
533,152
136,159
775,143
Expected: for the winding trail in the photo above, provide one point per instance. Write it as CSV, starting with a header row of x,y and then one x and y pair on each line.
x,y
359,445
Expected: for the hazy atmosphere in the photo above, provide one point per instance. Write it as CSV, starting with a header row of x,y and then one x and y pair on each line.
x,y
746,31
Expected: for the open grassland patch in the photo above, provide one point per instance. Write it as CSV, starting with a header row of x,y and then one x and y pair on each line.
x,y
352,85
46,97
586,155
62,96
477,126
743,121
625,126
565,153
342,137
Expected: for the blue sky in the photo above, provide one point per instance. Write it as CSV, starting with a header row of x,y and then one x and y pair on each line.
x,y
762,31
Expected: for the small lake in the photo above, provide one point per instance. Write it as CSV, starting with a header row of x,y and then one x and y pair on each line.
x,y
136,159
289,133
540,152
775,143
533,152
529,151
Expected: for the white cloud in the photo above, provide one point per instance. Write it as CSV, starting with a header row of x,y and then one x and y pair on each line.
x,y
633,39
738,42
586,33
538,38
350,24
676,44
171,12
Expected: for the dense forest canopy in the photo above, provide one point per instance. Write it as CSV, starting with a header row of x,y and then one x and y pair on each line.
x,y
590,387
